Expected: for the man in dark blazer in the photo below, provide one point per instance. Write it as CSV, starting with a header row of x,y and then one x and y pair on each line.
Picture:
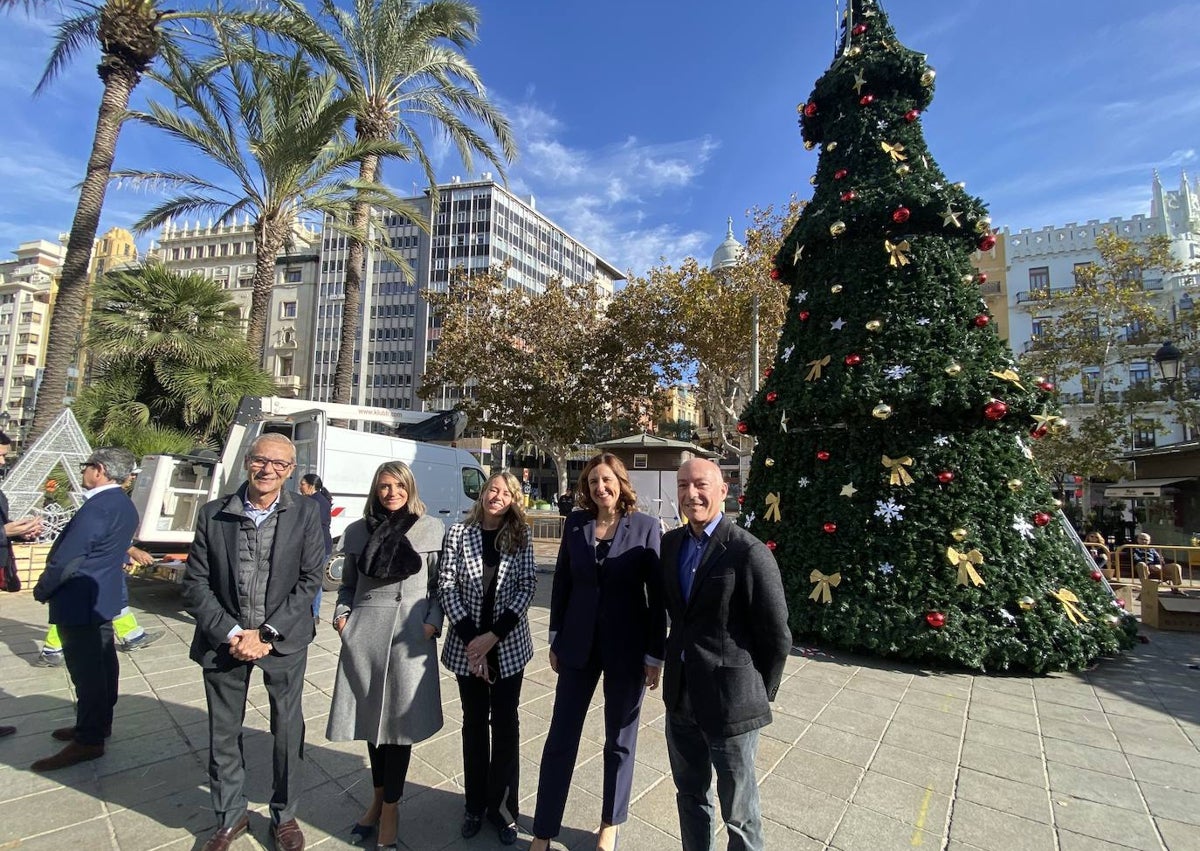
x,y
724,660
84,583
252,573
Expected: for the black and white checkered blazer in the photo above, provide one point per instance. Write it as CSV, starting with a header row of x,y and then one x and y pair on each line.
x,y
460,586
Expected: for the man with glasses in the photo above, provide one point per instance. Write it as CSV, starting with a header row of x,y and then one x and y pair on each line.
x,y
84,584
252,574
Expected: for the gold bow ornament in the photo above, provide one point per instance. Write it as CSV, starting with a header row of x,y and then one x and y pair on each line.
x,y
965,562
821,593
897,250
899,475
896,151
773,507
815,367
1009,375
1070,604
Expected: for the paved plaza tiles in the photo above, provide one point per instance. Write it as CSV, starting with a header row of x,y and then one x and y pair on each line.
x,y
863,754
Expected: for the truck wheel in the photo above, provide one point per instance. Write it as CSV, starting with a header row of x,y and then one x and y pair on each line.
x,y
332,579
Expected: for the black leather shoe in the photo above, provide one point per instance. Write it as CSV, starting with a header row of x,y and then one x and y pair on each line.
x,y
360,833
67,734
223,838
72,754
506,830
8,731
471,825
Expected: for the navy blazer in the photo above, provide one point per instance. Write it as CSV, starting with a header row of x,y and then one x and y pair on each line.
x,y
210,582
729,640
619,605
84,579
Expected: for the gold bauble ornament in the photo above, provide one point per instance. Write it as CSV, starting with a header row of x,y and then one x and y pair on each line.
x,y
903,169
954,370
1058,425
1026,603
984,225
813,180
874,325
770,462
962,184
1112,620
968,279
855,50
1057,502
809,145
831,146
1015,485
928,77
959,534
881,411
1039,379
835,289
837,228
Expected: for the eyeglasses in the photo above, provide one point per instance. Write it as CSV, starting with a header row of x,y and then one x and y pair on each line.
x,y
275,464
85,464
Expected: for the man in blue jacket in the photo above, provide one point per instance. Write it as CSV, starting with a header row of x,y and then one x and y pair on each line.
x,y
84,583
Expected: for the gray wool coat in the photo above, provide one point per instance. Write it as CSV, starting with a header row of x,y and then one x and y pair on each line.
x,y
387,690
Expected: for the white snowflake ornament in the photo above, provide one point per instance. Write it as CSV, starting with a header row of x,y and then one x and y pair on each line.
x,y
897,372
1022,527
889,511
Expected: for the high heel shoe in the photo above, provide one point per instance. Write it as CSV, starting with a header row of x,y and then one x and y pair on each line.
x,y
388,818
616,838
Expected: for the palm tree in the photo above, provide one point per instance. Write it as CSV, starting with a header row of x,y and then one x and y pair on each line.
x,y
131,35
400,61
172,363
276,129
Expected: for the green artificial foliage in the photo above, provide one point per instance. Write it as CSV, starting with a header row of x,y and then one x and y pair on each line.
x,y
887,354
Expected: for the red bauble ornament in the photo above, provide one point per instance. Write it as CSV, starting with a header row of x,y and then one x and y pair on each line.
x,y
1096,575
981,277
741,499
822,455
900,215
742,427
1048,386
937,620
995,410
829,527
981,321
767,372
804,314
1120,603
810,109
852,359
848,196
912,115
840,173
945,476
859,29
772,396
1041,518
771,545
1038,432
866,100
774,274
987,242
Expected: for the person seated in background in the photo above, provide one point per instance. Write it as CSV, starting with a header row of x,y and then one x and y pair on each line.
x,y
1148,562
1099,553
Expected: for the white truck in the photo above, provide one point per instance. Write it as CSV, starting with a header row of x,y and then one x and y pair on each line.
x,y
170,489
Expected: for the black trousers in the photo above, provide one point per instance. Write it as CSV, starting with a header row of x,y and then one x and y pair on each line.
x,y
491,764
225,688
91,658
389,769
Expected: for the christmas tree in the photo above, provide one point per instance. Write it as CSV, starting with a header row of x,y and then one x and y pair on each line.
x,y
891,474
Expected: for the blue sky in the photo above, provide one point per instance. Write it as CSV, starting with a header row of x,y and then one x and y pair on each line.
x,y
643,124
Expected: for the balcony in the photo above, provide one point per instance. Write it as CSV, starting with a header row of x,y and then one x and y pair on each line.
x,y
989,288
288,385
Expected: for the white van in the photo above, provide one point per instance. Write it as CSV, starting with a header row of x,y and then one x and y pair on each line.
x,y
170,489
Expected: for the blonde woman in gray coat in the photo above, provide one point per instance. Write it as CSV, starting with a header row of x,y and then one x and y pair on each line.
x,y
388,615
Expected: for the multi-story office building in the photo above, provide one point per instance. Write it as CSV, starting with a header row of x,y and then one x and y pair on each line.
x,y
27,285
477,225
226,254
1044,261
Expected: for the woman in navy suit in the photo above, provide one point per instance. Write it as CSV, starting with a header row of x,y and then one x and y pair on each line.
x,y
606,617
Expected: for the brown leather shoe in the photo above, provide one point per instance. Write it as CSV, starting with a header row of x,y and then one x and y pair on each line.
x,y
223,838
67,734
72,754
288,836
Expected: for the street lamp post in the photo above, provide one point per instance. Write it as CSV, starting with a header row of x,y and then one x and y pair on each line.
x,y
1169,358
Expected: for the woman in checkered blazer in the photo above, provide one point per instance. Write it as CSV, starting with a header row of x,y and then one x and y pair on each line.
x,y
486,584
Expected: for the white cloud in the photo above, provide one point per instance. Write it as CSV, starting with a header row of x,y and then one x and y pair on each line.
x,y
619,197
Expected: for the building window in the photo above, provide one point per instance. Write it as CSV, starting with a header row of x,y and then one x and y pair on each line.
x,y
1145,433
1091,381
1039,279
287,310
1139,375
293,276
285,366
641,461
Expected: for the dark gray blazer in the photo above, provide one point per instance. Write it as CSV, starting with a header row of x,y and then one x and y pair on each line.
x,y
732,633
210,590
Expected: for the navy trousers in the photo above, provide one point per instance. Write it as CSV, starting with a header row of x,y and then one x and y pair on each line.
x,y
91,658
622,708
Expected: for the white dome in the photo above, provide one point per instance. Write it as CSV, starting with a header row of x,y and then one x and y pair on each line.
x,y
728,253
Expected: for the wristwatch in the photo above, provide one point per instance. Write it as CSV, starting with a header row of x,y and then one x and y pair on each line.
x,y
268,634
